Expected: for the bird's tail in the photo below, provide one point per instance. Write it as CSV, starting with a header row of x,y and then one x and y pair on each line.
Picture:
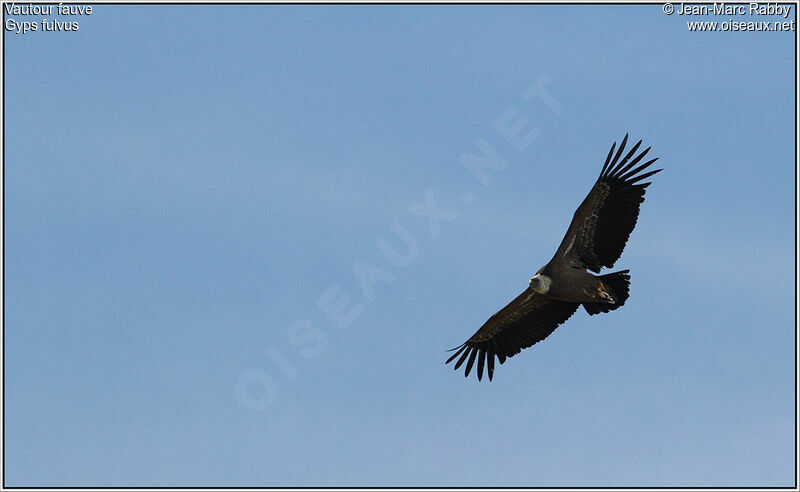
x,y
618,283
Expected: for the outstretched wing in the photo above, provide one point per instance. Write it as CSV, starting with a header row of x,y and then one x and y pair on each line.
x,y
528,319
604,221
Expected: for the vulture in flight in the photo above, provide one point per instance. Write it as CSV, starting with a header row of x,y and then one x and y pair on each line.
x,y
595,239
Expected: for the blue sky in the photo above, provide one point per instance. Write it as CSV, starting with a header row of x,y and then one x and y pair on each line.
x,y
188,187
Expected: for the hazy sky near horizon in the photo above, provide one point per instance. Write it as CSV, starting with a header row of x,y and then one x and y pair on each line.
x,y
239,240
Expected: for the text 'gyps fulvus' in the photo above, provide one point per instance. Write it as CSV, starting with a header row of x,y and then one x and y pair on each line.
x,y
595,239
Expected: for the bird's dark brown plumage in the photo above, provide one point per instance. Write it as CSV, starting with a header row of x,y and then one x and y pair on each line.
x,y
524,321
603,223
599,230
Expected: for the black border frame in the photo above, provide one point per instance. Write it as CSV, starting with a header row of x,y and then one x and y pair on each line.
x,y
3,485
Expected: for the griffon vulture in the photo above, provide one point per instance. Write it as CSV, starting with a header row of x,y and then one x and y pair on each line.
x,y
595,239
